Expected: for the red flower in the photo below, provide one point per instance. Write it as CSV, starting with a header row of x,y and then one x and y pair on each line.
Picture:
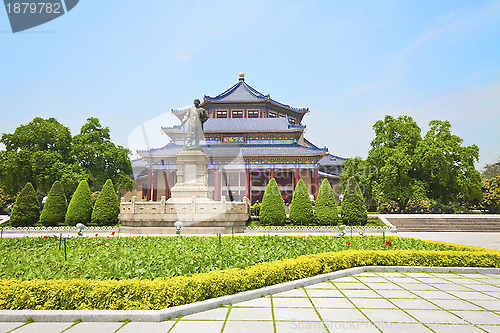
x,y
107,237
102,243
348,243
45,237
113,233
55,237
96,235
388,243
89,238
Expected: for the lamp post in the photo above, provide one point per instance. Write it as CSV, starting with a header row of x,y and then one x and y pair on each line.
x,y
178,226
80,227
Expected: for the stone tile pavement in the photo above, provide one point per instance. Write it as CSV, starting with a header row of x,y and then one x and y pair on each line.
x,y
366,302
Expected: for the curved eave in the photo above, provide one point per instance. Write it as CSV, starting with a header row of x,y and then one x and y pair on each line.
x,y
301,111
171,150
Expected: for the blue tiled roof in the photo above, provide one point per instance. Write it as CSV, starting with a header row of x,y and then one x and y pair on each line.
x,y
244,150
242,92
329,174
241,125
330,159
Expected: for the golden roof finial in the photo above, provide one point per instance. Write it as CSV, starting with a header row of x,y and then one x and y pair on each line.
x,y
242,76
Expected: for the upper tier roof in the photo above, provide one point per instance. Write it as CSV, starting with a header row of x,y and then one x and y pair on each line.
x,y
242,125
242,92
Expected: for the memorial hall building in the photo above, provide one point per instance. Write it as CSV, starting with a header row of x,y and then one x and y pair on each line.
x,y
249,138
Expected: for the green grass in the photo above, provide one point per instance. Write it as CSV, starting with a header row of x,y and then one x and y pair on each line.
x,y
150,257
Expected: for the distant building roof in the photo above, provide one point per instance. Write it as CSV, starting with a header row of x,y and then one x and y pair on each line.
x,y
331,160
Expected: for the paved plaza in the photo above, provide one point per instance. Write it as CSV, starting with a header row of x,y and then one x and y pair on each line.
x,y
366,302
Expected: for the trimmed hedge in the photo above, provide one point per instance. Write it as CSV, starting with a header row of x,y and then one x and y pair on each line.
x,y
54,210
272,209
301,210
106,208
167,292
353,210
25,212
325,210
80,206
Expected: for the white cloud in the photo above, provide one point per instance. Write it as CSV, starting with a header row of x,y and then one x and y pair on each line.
x,y
183,57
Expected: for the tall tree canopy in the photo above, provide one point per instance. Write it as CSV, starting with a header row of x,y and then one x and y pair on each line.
x,y
101,158
446,167
491,170
402,166
43,151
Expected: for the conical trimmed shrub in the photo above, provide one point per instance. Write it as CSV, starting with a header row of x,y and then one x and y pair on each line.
x,y
26,211
272,209
80,206
106,207
325,211
353,206
54,210
301,210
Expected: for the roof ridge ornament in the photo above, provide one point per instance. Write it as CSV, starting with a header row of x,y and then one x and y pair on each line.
x,y
242,76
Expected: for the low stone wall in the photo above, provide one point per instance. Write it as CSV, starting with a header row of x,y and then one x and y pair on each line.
x,y
57,230
198,215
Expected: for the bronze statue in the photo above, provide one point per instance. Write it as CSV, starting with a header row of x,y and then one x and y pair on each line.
x,y
195,117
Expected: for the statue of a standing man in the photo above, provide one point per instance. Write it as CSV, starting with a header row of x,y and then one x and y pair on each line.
x,y
195,117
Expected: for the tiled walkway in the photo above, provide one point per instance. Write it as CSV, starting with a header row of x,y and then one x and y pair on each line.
x,y
367,302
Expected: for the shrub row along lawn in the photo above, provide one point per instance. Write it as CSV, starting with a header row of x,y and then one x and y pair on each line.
x,y
156,273
121,258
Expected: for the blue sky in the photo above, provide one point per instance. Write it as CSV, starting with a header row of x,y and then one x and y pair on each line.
x,y
351,62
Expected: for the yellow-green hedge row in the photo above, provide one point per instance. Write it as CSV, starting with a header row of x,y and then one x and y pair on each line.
x,y
167,292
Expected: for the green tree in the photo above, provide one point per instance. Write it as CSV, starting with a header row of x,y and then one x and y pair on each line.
x,y
353,205
491,195
447,167
54,210
37,152
43,151
325,210
491,170
107,207
392,154
80,206
272,209
412,168
101,158
5,200
362,172
25,212
301,211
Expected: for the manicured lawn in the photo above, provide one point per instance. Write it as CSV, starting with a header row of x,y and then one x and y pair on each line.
x,y
121,258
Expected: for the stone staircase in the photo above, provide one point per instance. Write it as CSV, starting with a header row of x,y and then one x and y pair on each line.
x,y
4,219
444,222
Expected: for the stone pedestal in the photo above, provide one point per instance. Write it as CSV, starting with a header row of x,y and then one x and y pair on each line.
x,y
192,176
190,203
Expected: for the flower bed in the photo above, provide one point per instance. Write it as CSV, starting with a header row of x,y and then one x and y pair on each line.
x,y
101,292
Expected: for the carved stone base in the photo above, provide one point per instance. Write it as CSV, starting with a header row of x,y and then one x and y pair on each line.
x,y
190,203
